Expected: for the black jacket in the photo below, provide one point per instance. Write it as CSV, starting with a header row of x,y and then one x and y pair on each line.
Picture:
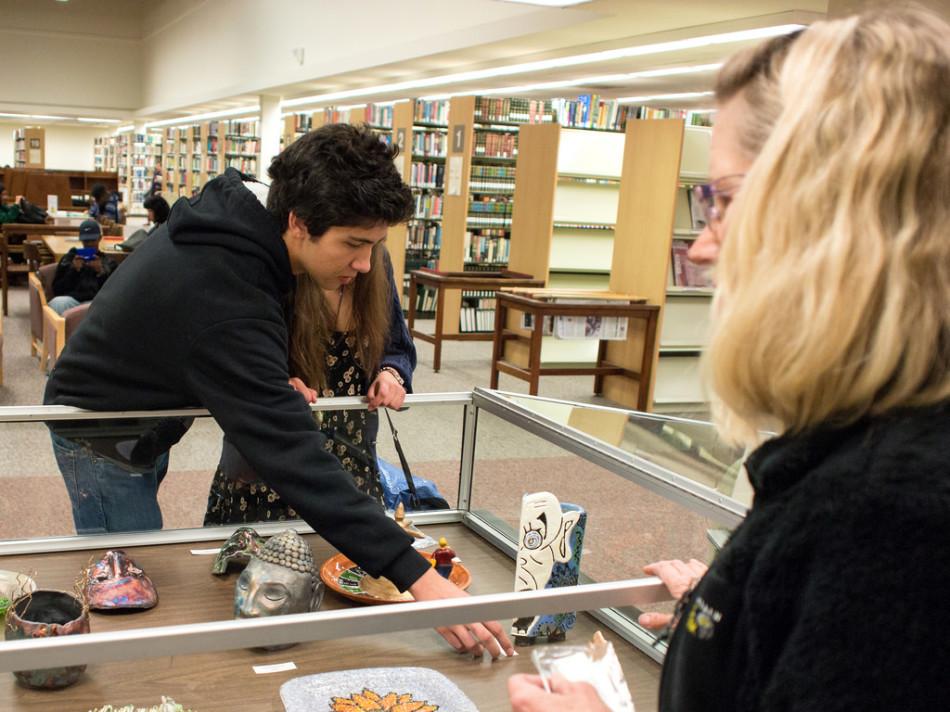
x,y
195,317
83,284
833,593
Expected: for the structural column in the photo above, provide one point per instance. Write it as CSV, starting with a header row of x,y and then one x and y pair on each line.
x,y
271,128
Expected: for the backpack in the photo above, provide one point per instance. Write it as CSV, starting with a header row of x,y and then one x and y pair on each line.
x,y
31,214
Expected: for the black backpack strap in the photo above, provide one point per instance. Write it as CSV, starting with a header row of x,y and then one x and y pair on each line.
x,y
402,458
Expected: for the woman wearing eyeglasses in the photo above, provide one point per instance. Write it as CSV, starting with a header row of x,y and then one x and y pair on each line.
x,y
828,218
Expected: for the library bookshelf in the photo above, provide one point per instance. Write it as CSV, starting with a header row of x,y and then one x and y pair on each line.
x,y
594,210
29,147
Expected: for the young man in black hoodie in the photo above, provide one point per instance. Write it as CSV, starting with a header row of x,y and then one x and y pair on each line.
x,y
199,319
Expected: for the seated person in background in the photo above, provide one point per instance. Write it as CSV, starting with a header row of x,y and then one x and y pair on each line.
x,y
105,205
158,210
9,212
79,276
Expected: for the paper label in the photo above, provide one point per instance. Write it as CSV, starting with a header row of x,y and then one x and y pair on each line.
x,y
205,552
278,667
455,175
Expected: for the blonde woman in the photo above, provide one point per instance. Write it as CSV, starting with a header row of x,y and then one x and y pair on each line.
x,y
829,215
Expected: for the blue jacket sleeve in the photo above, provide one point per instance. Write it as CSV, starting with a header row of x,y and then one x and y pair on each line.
x,y
400,351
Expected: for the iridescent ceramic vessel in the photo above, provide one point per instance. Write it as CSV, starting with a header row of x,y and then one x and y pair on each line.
x,y
46,614
237,550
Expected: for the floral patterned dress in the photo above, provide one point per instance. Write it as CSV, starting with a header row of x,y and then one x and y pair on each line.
x,y
351,436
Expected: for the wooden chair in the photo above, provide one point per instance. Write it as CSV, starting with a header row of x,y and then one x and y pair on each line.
x,y
57,330
41,291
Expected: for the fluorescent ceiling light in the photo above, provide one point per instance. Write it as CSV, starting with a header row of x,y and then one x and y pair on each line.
x,y
605,79
125,129
541,65
43,117
662,97
550,3
90,120
243,111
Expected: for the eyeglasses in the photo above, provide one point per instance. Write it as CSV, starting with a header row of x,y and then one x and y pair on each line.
x,y
713,198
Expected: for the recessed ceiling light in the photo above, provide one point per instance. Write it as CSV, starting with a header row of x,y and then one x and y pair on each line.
x,y
242,111
91,120
541,65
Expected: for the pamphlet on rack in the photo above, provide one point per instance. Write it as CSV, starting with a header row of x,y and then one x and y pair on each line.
x,y
607,328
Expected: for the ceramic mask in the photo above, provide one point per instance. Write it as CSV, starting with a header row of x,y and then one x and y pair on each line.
x,y
280,579
116,582
237,549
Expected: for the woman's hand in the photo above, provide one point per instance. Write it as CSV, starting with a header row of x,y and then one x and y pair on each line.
x,y
385,392
679,577
474,638
302,389
527,694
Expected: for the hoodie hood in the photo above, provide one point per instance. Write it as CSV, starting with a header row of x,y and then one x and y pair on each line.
x,y
227,214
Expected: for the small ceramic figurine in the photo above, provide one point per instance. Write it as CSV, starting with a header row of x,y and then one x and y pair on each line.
x,y
115,582
443,558
280,579
549,555
237,549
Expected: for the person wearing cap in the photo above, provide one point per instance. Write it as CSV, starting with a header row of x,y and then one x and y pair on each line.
x,y
82,271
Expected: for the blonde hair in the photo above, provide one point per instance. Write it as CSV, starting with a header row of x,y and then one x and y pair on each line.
x,y
833,299
313,322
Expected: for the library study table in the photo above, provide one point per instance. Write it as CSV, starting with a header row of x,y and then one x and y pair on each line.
x,y
442,281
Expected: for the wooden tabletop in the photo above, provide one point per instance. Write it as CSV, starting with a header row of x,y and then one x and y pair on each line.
x,y
59,245
189,593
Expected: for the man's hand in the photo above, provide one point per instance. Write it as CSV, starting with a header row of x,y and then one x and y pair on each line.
x,y
78,262
527,694
473,638
679,577
96,264
385,391
302,388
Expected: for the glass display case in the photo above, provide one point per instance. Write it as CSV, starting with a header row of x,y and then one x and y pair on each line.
x,y
653,488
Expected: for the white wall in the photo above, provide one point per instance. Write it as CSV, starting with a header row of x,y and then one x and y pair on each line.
x,y
218,49
67,147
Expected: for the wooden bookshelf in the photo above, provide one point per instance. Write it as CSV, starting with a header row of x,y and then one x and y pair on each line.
x,y
29,147
594,210
242,144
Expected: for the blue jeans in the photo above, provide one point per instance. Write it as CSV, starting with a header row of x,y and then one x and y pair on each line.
x,y
105,496
63,304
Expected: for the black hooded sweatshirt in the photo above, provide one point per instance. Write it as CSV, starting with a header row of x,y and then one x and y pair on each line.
x,y
195,317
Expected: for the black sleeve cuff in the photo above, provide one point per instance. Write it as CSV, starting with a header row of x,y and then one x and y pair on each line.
x,y
407,568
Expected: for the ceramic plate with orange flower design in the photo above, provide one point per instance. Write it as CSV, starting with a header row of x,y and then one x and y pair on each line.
x,y
397,689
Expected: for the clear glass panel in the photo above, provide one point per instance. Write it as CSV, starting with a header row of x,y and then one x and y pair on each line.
x,y
627,526
690,448
34,499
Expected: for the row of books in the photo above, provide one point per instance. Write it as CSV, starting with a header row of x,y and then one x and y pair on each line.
x,y
424,236
246,129
499,179
589,111
512,110
431,112
486,246
474,320
683,272
427,175
429,143
425,299
376,115
245,165
495,145
428,205
241,145
491,205
302,123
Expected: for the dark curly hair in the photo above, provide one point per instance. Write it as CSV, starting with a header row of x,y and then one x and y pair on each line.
x,y
338,175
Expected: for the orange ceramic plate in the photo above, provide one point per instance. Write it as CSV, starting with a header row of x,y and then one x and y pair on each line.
x,y
349,580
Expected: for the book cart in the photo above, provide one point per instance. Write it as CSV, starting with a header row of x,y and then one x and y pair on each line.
x,y
188,647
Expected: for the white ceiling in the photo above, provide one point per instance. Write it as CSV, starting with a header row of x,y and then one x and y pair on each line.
x,y
369,53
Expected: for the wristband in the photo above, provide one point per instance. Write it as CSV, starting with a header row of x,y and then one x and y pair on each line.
x,y
394,373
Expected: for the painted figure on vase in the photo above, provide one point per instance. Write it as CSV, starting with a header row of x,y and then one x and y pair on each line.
x,y
551,539
443,557
238,549
116,582
278,580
